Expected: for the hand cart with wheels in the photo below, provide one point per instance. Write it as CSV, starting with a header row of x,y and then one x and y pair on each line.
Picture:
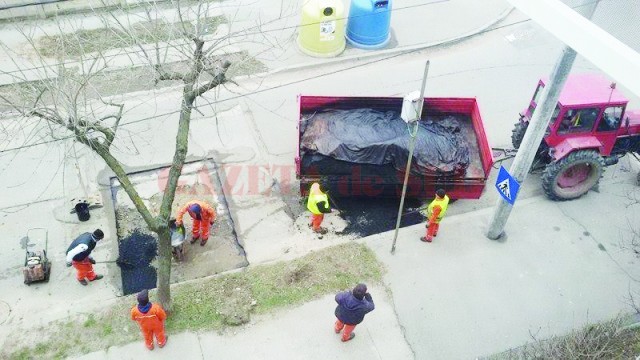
x,y
37,266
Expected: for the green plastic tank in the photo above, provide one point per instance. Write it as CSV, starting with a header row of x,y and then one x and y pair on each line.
x,y
321,33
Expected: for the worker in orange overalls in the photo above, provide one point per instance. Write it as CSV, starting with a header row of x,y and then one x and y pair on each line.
x,y
151,318
79,255
435,212
318,205
203,217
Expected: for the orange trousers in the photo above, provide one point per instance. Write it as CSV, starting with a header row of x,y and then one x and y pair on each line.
x,y
316,221
432,230
84,269
201,229
348,329
149,331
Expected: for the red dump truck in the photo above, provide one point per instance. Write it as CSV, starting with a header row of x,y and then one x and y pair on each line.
x,y
358,146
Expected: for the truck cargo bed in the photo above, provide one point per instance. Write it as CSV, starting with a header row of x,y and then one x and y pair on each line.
x,y
345,178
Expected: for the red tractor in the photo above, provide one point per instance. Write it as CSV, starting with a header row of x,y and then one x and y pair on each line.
x,y
590,128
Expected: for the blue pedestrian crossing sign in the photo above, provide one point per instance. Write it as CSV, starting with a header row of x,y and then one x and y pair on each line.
x,y
507,186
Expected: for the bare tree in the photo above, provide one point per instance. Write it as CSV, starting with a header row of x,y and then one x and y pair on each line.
x,y
60,94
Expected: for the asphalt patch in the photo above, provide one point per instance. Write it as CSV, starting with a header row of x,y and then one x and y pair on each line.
x,y
136,253
369,216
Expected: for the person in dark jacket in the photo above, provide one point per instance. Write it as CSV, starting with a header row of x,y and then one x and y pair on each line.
x,y
79,255
352,307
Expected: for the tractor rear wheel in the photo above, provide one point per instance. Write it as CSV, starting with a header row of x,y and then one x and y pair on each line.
x,y
517,134
572,176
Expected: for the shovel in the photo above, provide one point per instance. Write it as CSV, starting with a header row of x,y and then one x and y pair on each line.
x,y
121,263
335,204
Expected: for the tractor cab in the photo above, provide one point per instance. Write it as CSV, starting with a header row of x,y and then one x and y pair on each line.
x,y
589,114
590,128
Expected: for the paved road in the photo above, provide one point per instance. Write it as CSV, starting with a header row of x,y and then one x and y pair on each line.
x,y
500,68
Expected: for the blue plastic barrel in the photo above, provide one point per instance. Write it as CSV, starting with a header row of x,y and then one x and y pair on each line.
x,y
368,24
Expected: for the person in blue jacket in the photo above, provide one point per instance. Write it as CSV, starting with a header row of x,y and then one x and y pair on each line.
x,y
352,307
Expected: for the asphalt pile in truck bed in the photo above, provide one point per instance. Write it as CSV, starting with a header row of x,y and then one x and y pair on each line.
x,y
373,137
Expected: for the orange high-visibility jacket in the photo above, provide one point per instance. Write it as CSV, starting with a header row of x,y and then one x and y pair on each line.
x,y
207,213
153,319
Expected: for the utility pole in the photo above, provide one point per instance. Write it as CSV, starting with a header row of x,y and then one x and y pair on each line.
x,y
412,121
536,129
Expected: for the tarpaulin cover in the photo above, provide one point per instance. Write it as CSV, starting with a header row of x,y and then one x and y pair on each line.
x,y
367,136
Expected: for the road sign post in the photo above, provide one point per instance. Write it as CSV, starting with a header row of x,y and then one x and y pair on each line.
x,y
412,125
507,186
537,126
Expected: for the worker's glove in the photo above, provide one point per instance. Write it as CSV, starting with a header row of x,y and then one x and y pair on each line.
x,y
92,261
68,264
368,297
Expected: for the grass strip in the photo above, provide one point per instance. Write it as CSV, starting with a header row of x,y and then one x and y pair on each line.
x,y
82,41
213,303
610,339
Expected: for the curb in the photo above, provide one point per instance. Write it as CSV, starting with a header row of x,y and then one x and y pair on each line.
x,y
394,51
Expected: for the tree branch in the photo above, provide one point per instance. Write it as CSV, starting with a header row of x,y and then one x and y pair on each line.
x,y
218,80
198,62
180,154
165,75
128,187
109,137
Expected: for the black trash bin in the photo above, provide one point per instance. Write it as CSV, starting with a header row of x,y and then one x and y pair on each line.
x,y
82,210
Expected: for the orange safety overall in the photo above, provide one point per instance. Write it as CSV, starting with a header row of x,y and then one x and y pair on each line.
x,y
151,324
201,227
84,269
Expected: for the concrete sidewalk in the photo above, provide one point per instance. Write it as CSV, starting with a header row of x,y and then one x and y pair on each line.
x,y
305,332
562,265
267,30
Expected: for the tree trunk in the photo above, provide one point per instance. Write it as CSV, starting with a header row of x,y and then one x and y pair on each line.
x,y
126,184
164,240
164,266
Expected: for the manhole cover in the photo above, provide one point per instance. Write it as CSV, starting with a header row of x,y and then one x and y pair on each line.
x,y
5,310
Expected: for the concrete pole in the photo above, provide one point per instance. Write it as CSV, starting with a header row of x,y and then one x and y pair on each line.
x,y
412,141
536,129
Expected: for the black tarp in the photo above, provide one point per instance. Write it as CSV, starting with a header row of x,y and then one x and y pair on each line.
x,y
368,136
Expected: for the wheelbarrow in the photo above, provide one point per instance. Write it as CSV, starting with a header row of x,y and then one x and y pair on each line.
x,y
37,266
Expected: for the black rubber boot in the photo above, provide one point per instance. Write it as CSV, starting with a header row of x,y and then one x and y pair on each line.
x,y
350,337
